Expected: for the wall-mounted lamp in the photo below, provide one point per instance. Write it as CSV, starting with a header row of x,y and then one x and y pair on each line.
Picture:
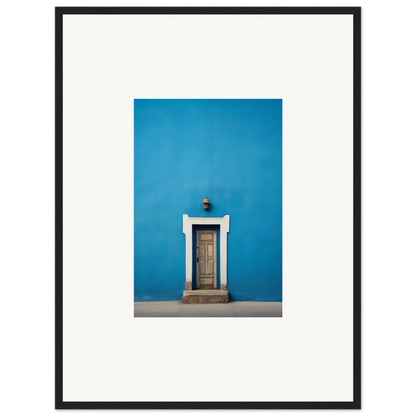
x,y
205,203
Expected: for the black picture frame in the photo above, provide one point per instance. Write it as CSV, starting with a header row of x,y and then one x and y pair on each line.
x,y
60,403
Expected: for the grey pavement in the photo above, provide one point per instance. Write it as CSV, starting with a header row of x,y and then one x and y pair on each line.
x,y
231,309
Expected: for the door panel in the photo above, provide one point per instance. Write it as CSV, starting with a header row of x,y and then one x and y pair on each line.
x,y
206,259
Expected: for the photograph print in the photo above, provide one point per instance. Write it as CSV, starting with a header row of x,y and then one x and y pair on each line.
x,y
208,207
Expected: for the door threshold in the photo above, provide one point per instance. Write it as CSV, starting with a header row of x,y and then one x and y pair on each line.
x,y
205,296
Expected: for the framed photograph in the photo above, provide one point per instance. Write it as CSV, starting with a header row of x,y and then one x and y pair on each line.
x,y
208,208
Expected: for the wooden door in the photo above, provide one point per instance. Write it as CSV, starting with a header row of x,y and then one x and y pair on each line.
x,y
206,259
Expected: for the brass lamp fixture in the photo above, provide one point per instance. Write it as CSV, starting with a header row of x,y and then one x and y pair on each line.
x,y
205,203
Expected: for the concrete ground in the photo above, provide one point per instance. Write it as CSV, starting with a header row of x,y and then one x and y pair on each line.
x,y
231,309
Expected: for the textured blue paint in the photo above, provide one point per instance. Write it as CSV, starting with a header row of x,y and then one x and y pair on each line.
x,y
229,151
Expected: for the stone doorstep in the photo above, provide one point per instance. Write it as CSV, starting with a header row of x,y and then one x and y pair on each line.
x,y
205,296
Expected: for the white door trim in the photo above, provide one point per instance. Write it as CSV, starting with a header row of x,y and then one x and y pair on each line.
x,y
224,224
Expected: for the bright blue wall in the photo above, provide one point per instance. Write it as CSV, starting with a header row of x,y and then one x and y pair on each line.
x,y
229,151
